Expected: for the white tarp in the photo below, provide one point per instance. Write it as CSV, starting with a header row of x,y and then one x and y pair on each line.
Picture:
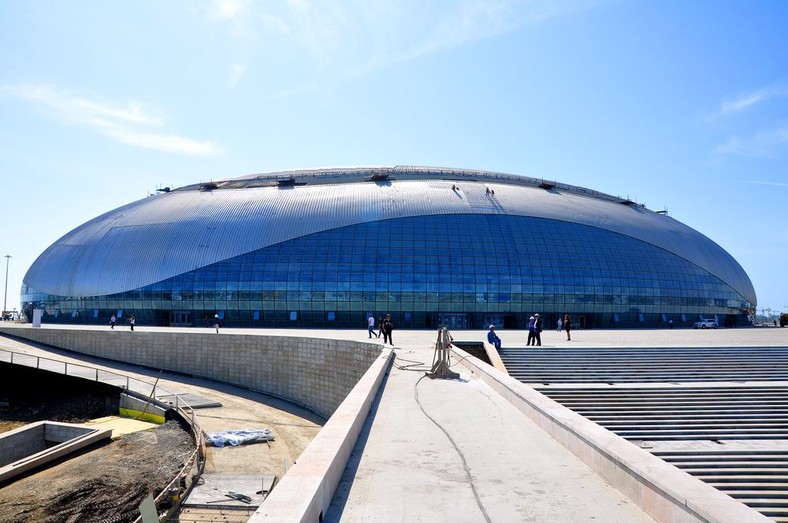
x,y
239,437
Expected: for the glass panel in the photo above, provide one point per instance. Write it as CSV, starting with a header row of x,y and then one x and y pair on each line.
x,y
393,266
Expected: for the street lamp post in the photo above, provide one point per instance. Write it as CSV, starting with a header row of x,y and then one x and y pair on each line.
x,y
5,293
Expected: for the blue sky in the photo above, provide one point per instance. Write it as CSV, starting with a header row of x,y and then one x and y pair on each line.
x,y
677,105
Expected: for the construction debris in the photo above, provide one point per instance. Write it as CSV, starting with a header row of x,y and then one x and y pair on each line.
x,y
239,437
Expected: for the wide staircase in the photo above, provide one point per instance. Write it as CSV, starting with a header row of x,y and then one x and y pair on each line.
x,y
720,414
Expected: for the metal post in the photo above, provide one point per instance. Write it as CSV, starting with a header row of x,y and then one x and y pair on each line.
x,y
440,361
5,295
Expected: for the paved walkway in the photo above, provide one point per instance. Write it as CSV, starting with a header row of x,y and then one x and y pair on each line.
x,y
455,450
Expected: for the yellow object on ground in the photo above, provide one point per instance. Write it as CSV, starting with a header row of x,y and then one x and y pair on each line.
x,y
120,426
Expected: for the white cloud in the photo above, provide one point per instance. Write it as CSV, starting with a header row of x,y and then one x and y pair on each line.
x,y
79,109
473,20
344,39
276,23
237,72
771,184
161,142
749,99
129,124
764,143
227,9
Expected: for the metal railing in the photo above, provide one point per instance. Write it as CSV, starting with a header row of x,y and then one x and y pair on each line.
x,y
140,388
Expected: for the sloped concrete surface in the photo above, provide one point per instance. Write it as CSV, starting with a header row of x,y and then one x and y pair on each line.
x,y
455,450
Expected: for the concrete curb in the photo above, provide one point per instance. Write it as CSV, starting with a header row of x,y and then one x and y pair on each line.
x,y
663,491
306,491
495,358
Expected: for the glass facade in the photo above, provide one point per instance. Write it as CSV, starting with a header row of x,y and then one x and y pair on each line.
x,y
461,271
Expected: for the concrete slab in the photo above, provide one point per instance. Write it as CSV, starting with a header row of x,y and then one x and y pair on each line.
x,y
194,401
454,450
212,490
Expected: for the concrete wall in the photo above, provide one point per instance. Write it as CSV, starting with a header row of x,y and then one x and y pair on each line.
x,y
314,373
33,445
21,442
306,491
144,409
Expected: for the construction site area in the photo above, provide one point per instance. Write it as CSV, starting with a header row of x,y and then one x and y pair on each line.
x,y
616,426
108,481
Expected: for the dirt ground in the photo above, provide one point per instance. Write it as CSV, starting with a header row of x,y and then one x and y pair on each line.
x,y
105,485
108,483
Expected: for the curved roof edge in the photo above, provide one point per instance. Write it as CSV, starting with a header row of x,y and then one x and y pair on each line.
x,y
336,175
160,236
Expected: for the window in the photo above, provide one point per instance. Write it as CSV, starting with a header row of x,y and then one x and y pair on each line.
x,y
336,276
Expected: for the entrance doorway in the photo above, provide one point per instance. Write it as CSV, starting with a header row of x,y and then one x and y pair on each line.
x,y
453,321
180,319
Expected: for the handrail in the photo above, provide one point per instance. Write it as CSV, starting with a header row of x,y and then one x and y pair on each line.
x,y
197,458
182,408
22,358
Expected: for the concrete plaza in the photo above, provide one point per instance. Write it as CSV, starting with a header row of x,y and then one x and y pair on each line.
x,y
462,450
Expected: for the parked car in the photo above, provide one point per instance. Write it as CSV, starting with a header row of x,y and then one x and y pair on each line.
x,y
783,319
706,324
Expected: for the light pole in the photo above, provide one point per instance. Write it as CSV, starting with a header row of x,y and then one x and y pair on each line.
x,y
5,294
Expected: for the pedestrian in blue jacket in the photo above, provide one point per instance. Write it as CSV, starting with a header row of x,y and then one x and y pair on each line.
x,y
493,338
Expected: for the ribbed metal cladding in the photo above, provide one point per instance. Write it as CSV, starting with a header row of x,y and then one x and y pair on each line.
x,y
168,234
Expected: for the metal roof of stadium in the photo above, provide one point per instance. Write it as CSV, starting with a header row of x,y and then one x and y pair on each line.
x,y
190,227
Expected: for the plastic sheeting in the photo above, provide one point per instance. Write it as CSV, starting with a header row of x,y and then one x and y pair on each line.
x,y
239,437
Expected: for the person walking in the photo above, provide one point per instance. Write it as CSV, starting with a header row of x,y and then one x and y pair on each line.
x,y
493,338
132,322
538,329
531,332
387,328
567,326
380,326
216,322
560,325
371,325
112,321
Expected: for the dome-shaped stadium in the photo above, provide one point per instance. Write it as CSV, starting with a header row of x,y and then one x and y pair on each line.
x,y
432,247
